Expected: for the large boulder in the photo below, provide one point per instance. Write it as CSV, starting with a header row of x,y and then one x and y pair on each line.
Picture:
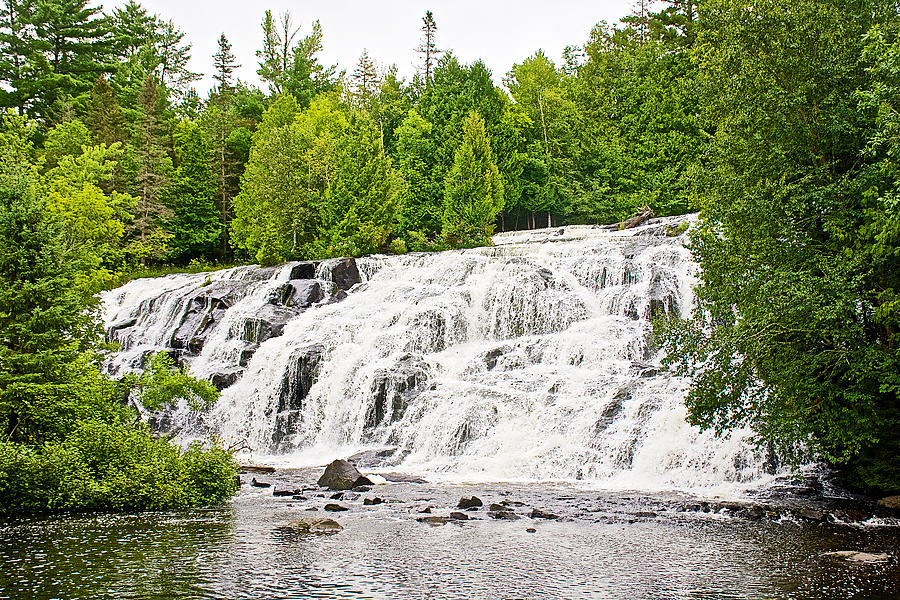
x,y
303,270
297,293
341,475
345,273
266,323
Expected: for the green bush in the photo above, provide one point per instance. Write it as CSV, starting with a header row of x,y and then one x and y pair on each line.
x,y
102,466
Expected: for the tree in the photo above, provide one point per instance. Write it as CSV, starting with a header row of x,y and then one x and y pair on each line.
x,y
74,48
422,207
17,47
104,116
224,64
473,194
365,77
191,198
361,200
277,54
154,168
428,48
794,332
44,321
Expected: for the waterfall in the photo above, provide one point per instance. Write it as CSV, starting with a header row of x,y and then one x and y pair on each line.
x,y
529,360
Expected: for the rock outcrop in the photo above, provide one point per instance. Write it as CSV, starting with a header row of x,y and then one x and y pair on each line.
x,y
341,475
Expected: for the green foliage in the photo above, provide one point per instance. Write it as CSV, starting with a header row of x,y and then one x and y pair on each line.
x,y
161,383
191,197
798,257
473,194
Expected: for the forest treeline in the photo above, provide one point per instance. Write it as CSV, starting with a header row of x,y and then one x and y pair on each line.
x,y
320,163
777,119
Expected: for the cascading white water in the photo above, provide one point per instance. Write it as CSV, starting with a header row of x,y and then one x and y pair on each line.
x,y
531,359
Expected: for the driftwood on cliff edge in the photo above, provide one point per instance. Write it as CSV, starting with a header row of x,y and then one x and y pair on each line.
x,y
644,214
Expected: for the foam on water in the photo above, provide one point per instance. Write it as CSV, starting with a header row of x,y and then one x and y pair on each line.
x,y
529,360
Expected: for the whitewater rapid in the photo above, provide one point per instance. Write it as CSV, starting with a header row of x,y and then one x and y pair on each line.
x,y
529,360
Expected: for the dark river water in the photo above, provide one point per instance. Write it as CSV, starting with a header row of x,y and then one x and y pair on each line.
x,y
607,545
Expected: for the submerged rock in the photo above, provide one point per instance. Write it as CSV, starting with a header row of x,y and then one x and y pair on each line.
x,y
341,475
459,516
372,501
335,508
260,484
315,525
539,514
859,557
433,520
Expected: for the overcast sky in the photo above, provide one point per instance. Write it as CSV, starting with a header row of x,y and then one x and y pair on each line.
x,y
500,33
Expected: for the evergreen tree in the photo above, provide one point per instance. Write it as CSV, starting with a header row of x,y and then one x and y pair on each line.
x,y
428,48
473,193
365,78
75,47
191,198
361,201
104,116
422,207
154,169
17,47
224,64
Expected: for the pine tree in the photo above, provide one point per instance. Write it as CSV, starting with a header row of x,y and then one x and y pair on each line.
x,y
365,77
75,49
224,64
428,48
154,165
473,193
104,115
17,46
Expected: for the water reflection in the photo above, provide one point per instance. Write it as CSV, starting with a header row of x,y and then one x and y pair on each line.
x,y
242,551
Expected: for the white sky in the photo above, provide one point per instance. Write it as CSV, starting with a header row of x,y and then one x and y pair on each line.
x,y
500,33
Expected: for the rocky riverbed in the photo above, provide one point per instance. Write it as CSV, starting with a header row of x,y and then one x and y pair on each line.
x,y
287,537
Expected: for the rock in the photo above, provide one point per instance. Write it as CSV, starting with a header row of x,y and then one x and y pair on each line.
x,y
299,497
266,323
300,375
531,530
644,214
433,520
303,270
505,515
345,273
426,510
341,475
335,508
225,379
858,557
402,478
337,496
297,293
812,515
645,515
470,502
891,502
372,501
283,493
205,309
259,484
512,503
459,516
393,388
539,514
315,525
496,507
382,457
256,469
362,488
